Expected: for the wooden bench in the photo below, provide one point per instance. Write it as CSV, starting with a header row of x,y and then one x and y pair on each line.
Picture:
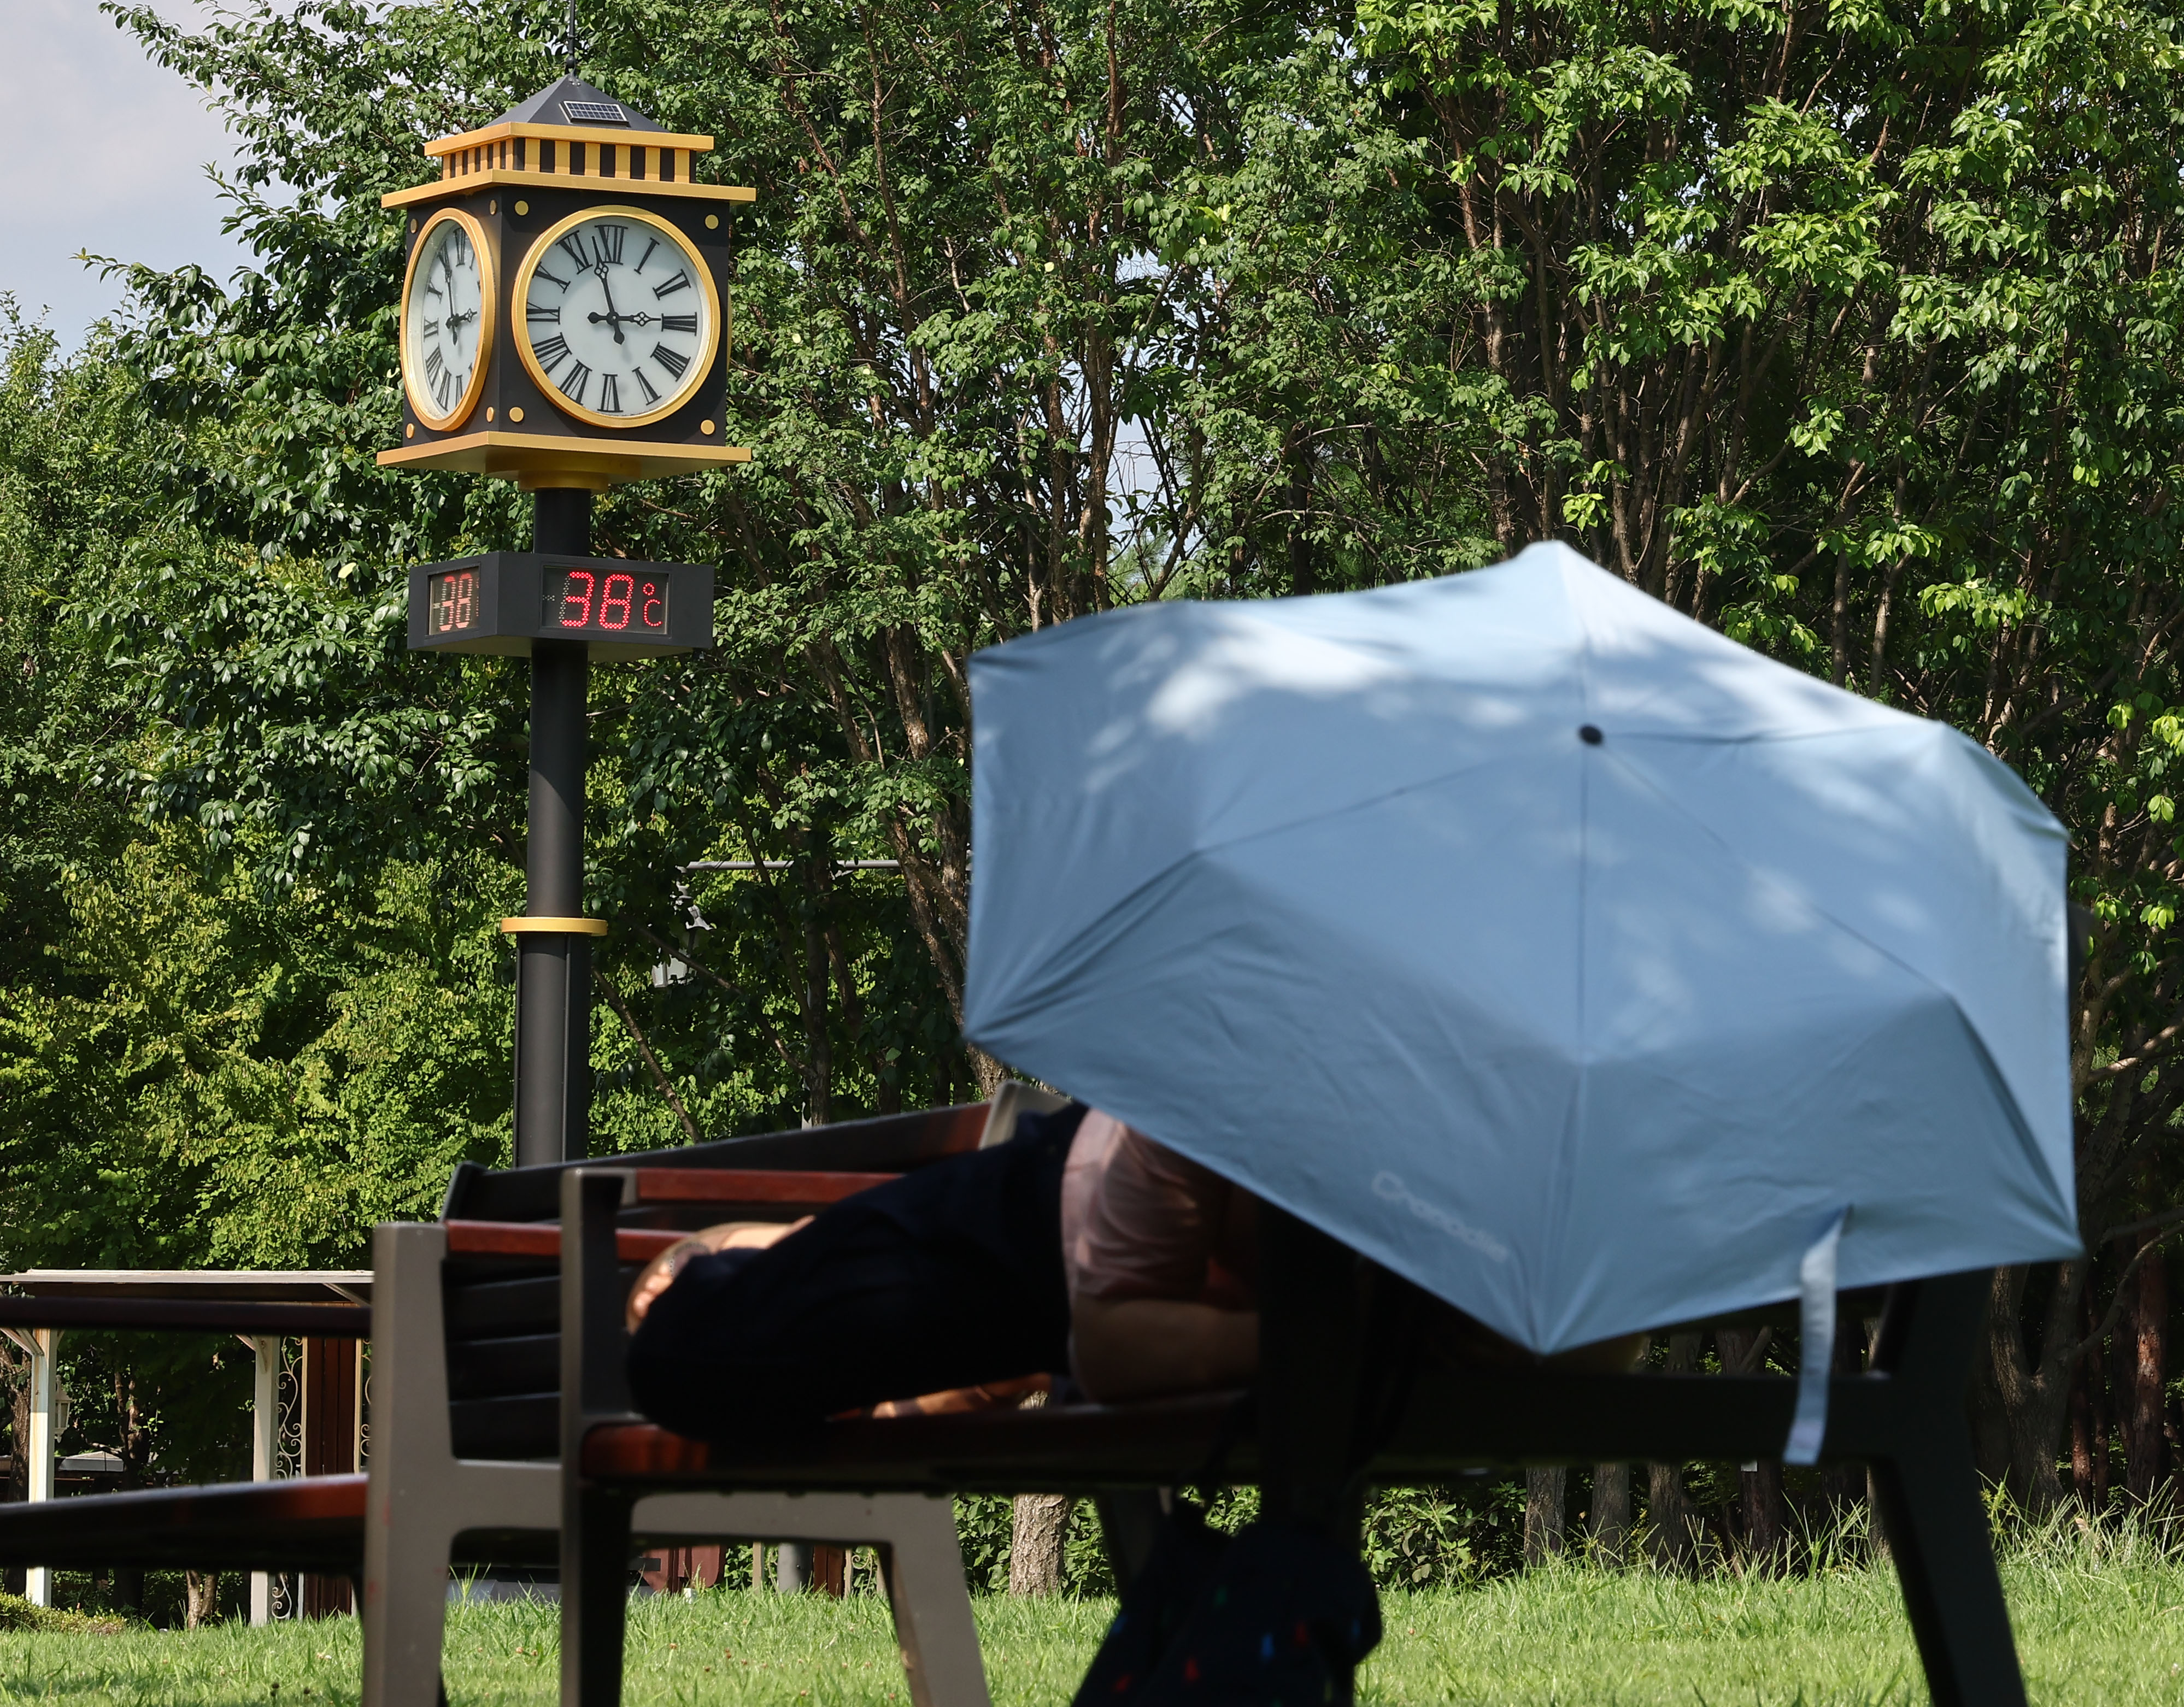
x,y
312,1525
466,1411
1335,1408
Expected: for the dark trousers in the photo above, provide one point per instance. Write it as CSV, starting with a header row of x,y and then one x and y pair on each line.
x,y
949,1276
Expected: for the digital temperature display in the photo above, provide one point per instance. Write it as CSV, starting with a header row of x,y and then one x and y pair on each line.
x,y
451,603
620,602
503,603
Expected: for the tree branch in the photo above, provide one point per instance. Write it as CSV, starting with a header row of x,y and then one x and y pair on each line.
x,y
644,1049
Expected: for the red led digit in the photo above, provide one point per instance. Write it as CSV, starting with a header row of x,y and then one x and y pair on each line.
x,y
614,607
653,613
465,599
579,602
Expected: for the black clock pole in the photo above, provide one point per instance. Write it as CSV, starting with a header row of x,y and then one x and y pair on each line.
x,y
554,986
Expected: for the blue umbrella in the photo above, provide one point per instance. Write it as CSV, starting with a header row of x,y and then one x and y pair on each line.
x,y
1539,942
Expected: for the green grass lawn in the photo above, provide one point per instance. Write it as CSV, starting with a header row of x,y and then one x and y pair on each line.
x,y
2110,1633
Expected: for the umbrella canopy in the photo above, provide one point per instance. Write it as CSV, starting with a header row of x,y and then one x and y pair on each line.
x,y
1532,939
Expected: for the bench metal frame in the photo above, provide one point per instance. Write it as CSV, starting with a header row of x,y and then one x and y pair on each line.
x,y
422,1497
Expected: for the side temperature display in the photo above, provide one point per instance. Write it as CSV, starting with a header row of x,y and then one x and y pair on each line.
x,y
451,601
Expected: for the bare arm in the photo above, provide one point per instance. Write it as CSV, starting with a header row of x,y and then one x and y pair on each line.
x,y
1142,1348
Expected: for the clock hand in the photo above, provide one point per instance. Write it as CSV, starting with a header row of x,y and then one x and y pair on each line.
x,y
613,319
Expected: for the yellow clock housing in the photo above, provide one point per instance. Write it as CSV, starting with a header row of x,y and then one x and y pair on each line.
x,y
636,387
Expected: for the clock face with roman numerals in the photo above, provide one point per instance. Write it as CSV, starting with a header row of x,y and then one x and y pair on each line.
x,y
617,316
447,319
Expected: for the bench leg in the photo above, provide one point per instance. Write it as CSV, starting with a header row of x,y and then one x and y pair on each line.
x,y
923,1566
596,1543
920,1562
1310,1382
1309,1377
406,1609
1937,1530
1130,1520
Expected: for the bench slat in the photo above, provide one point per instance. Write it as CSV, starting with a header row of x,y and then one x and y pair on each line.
x,y
493,1310
543,1239
306,1523
513,1426
1459,1420
883,1142
493,1367
771,1188
313,1523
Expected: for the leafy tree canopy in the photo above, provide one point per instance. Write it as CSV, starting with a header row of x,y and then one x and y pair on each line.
x,y
1850,330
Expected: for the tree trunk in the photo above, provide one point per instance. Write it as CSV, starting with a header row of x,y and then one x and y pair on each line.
x,y
2081,1435
1844,1484
1610,1518
1760,1524
200,1598
1990,1420
1038,1528
2035,1390
1546,1500
1763,1516
2142,1441
1673,1524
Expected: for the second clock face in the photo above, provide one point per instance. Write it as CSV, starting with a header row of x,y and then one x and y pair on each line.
x,y
447,319
617,316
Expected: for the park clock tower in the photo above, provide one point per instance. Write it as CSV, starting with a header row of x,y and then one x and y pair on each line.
x,y
566,312
565,320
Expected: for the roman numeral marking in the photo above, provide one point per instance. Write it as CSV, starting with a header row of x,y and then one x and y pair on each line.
x,y
433,364
551,352
681,281
445,389
647,256
431,290
679,323
556,278
672,360
609,395
430,327
650,395
606,244
539,311
573,386
573,244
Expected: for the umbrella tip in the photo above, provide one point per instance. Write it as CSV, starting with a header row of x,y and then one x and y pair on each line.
x,y
1589,735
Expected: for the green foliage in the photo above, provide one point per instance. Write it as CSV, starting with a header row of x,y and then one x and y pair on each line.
x,y
1852,333
19,1614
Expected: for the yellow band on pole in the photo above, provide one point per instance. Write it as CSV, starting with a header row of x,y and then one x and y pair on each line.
x,y
565,927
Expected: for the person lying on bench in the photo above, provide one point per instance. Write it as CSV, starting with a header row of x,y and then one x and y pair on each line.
x,y
1080,1246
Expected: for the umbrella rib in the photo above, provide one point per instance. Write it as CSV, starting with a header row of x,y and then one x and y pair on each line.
x,y
1730,849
